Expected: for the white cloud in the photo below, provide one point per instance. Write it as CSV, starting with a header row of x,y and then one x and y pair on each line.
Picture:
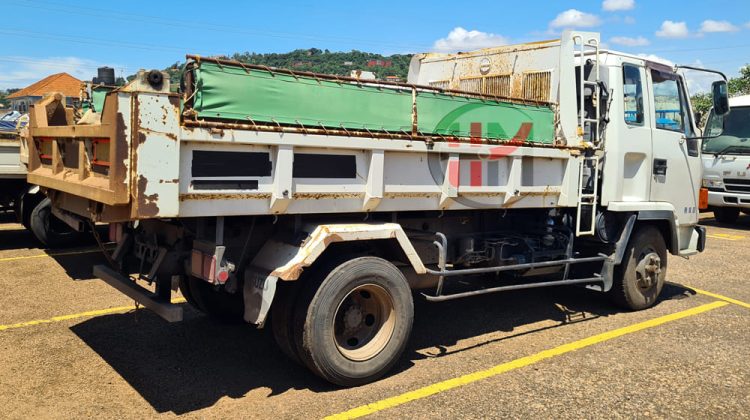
x,y
615,5
698,81
573,18
670,29
718,26
747,25
656,58
630,42
629,20
459,39
20,71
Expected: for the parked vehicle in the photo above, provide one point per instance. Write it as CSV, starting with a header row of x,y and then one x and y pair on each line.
x,y
27,201
726,161
321,202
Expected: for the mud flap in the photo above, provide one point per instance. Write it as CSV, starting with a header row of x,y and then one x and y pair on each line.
x,y
258,292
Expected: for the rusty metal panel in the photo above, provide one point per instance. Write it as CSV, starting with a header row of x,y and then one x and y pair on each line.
x,y
51,146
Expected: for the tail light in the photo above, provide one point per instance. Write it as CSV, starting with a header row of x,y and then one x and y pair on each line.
x,y
210,264
115,232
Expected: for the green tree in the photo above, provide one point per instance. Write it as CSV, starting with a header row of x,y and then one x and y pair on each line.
x,y
740,85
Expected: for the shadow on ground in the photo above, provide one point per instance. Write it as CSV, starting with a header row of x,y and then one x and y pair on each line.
x,y
191,365
743,223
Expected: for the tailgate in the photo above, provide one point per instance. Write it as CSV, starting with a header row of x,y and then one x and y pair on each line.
x,y
89,161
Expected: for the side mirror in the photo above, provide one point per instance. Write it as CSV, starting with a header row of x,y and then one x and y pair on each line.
x,y
698,118
720,96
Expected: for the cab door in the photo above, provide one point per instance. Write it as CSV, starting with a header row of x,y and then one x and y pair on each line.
x,y
676,165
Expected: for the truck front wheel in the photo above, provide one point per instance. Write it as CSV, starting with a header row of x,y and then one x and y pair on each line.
x,y
639,279
353,323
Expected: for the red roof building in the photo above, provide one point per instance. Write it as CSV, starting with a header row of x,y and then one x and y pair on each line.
x,y
60,82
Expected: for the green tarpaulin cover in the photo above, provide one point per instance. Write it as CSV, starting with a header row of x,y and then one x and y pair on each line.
x,y
235,93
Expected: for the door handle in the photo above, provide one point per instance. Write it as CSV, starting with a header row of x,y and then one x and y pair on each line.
x,y
660,166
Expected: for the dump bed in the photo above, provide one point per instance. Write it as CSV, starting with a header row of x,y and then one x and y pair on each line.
x,y
243,139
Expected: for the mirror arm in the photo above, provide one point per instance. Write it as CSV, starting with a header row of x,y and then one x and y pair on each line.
x,y
723,76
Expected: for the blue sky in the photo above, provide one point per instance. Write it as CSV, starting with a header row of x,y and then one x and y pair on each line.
x,y
40,37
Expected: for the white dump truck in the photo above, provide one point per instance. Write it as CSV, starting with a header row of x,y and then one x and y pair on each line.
x,y
320,203
726,161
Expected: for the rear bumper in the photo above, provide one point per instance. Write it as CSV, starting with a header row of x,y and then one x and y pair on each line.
x,y
167,310
727,199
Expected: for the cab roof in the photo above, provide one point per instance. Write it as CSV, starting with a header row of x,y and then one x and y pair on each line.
x,y
740,101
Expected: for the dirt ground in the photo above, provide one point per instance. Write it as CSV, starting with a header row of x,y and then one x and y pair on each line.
x,y
71,347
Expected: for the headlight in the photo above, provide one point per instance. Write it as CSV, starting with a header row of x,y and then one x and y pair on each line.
x,y
713,183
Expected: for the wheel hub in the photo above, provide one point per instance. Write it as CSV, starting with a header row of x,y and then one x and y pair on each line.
x,y
364,322
648,270
353,317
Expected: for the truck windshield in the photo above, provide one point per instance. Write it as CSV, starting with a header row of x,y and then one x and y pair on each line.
x,y
735,138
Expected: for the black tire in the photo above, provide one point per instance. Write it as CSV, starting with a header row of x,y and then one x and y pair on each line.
x,y
216,303
726,214
282,318
25,205
48,229
352,324
639,279
185,289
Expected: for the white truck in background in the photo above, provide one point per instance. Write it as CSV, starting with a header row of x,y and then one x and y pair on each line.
x,y
726,161
26,201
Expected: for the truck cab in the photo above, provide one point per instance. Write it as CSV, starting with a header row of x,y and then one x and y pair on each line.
x,y
726,161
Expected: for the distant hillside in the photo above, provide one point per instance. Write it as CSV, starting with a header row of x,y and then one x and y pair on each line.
x,y
323,61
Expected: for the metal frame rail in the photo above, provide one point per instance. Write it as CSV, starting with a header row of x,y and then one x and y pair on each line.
x,y
442,246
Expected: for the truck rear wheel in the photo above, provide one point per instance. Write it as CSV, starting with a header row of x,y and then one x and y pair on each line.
x,y
640,277
48,229
353,323
726,214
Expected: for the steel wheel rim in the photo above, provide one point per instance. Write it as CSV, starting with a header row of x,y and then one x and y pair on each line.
x,y
648,269
364,322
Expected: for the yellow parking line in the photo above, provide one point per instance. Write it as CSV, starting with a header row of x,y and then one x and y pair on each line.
x,y
88,314
10,228
519,363
52,255
725,236
720,297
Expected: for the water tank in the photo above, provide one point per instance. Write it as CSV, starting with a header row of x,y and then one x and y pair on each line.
x,y
105,76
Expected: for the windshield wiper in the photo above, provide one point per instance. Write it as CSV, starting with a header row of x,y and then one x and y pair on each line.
x,y
730,147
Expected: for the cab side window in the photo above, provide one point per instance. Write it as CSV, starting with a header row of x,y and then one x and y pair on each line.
x,y
669,106
633,92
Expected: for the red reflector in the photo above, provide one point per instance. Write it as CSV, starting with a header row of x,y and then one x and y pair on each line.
x,y
703,199
115,232
223,276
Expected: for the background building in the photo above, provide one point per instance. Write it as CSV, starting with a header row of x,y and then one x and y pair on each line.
x,y
60,82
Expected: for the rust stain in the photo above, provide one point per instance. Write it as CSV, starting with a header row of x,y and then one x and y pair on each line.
x,y
391,195
147,204
326,196
120,180
141,137
224,196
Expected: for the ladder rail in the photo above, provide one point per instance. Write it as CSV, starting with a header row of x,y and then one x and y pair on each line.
x,y
587,199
